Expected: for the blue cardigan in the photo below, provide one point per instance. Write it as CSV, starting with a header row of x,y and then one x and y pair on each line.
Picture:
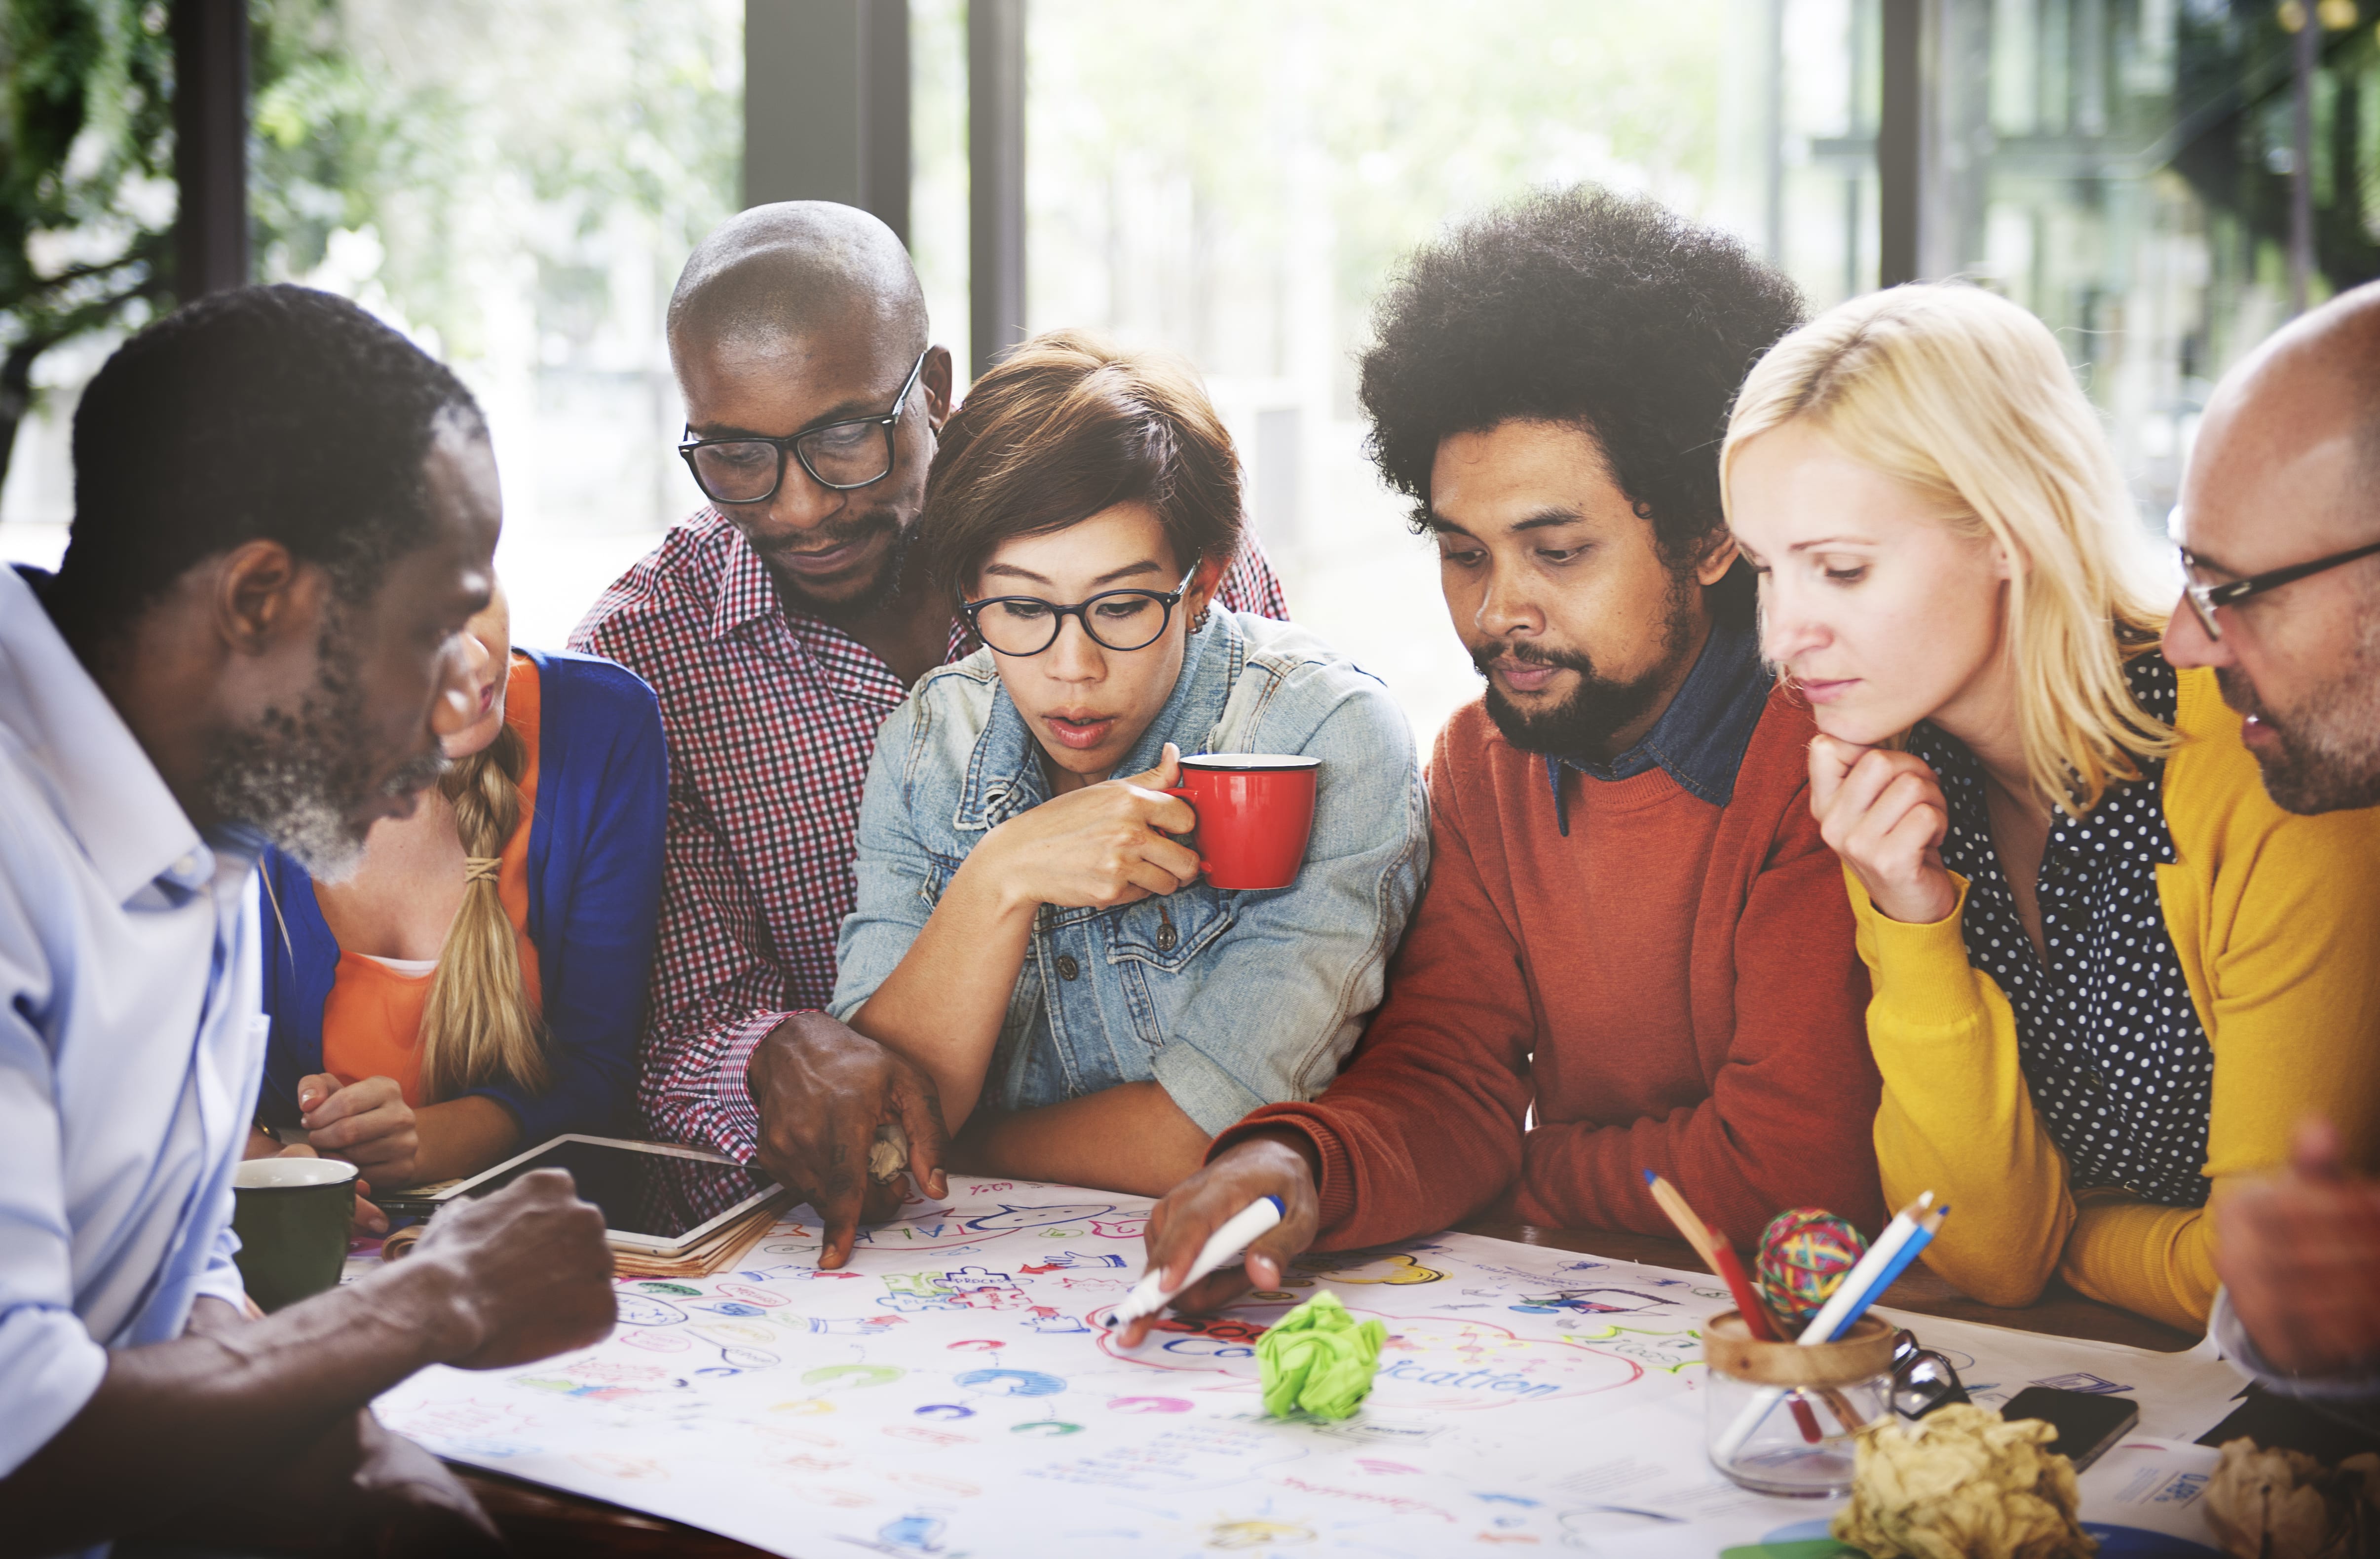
x,y
594,897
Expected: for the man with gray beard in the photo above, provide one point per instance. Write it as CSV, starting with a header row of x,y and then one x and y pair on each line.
x,y
2279,526
285,515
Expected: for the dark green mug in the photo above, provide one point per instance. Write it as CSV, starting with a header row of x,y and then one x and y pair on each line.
x,y
291,1217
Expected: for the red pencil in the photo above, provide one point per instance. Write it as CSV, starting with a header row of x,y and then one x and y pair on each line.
x,y
1723,1261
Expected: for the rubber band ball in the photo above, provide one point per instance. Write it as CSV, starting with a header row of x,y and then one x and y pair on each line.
x,y
1804,1252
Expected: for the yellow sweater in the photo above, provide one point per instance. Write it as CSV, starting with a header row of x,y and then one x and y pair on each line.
x,y
2276,920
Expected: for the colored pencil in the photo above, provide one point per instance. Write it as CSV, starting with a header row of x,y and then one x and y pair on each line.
x,y
1852,1294
1928,1227
1849,1301
1718,1256
1721,1259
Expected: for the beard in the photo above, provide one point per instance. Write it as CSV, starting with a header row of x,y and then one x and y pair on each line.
x,y
877,592
1583,725
2330,744
299,776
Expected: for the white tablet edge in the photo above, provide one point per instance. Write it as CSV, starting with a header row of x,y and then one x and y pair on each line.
x,y
654,1243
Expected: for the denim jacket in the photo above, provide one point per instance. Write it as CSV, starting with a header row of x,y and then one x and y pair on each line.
x,y
1229,999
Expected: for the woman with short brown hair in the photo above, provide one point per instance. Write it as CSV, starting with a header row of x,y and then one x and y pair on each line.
x,y
1028,930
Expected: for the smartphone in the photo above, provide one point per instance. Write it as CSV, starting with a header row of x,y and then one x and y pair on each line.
x,y
2086,1423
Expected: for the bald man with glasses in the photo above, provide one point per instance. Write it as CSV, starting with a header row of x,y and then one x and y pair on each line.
x,y
2279,528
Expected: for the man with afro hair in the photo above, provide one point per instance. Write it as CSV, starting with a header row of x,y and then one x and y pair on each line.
x,y
1635,952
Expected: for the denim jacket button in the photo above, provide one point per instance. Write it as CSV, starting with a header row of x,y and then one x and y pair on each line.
x,y
1067,968
1165,938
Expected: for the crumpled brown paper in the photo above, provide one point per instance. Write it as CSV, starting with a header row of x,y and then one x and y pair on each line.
x,y
889,1154
2284,1505
1962,1483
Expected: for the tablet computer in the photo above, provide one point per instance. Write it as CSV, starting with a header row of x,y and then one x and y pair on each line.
x,y
653,1196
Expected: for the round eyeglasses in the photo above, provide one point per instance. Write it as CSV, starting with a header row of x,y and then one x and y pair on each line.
x,y
1116,619
748,469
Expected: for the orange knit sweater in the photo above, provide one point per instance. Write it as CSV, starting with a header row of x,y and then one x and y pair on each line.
x,y
1671,986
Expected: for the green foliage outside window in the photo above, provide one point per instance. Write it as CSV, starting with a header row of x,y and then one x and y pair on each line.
x,y
86,178
452,140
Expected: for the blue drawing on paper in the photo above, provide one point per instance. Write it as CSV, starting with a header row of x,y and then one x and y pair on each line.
x,y
643,1310
1012,1383
1589,1301
1010,1219
1065,1259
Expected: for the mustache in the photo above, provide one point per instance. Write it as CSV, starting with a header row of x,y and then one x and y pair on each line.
x,y
2239,693
843,533
1484,658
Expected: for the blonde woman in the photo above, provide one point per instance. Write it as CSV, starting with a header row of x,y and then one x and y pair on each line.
x,y
478,984
2109,973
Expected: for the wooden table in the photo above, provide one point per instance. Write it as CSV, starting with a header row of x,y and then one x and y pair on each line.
x,y
542,1521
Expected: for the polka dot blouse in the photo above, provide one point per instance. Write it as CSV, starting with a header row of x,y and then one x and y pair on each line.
x,y
2111,1048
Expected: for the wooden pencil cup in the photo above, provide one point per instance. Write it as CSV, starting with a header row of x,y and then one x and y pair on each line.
x,y
1757,1435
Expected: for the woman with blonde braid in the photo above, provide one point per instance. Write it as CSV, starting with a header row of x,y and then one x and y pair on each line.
x,y
478,984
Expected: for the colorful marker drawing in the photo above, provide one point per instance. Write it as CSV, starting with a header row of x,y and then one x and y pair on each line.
x,y
1068,1259
1593,1302
1005,1219
643,1310
1397,1268
1012,1383
959,1389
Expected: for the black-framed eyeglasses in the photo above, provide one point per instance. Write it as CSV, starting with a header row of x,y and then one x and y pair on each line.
x,y
1116,619
839,455
1922,1379
2204,599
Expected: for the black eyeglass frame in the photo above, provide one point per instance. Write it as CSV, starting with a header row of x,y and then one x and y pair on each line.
x,y
792,444
2204,599
1909,1400
1167,600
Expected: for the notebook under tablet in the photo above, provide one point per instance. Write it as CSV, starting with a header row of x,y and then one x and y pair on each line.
x,y
653,1197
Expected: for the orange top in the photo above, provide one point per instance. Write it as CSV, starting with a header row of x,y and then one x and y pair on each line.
x,y
372,1020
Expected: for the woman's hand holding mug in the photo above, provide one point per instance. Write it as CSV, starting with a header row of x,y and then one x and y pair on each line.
x,y
1102,845
1883,812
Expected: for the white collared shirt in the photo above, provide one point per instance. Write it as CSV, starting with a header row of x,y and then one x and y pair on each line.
x,y
131,1040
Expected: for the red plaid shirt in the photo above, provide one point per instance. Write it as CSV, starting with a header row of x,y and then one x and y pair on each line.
x,y
771,716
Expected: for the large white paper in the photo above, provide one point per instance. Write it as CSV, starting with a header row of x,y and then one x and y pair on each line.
x,y
956,1391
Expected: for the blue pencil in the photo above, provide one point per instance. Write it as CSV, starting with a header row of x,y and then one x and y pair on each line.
x,y
1926,1227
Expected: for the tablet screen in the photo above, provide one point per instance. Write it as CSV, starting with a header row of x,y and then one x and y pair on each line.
x,y
660,1196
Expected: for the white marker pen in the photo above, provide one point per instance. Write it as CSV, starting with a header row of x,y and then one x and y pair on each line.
x,y
1148,1296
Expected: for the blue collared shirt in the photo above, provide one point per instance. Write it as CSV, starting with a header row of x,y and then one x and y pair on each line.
x,y
131,1040
1700,738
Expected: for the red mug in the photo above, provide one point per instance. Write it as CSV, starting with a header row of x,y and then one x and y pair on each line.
x,y
1256,812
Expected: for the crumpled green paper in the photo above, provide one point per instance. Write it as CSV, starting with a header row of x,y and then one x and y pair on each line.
x,y
1319,1359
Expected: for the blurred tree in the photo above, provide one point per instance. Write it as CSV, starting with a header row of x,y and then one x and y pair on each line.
x,y
2237,87
1190,162
87,192
86,178
428,150
449,161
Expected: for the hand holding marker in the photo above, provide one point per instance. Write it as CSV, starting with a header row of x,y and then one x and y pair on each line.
x,y
1150,1295
1911,1229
